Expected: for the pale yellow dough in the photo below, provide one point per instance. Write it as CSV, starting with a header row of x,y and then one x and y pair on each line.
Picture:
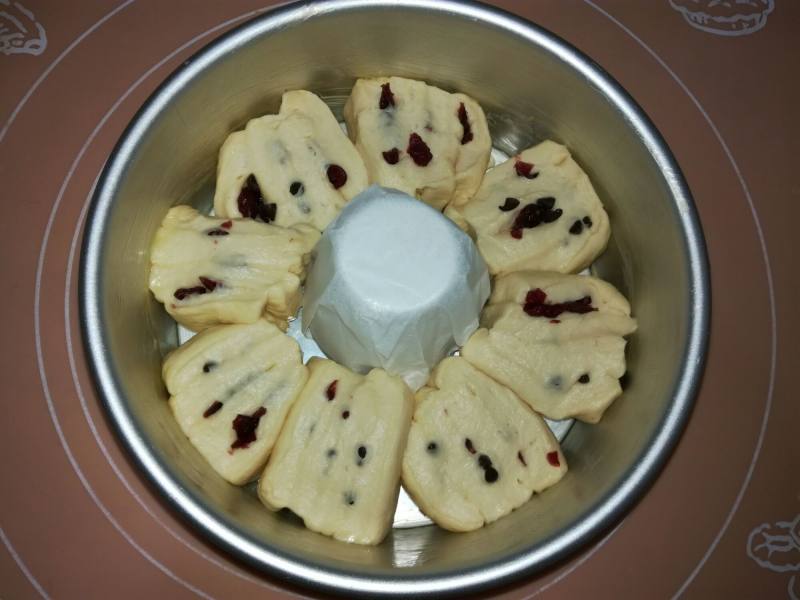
x,y
542,360
462,417
245,367
258,268
549,246
455,171
296,145
317,470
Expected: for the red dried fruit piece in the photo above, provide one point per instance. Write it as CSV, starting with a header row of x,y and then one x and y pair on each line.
x,y
214,407
552,458
346,414
418,150
509,204
183,293
535,305
387,97
525,169
584,378
330,392
516,234
251,203
391,156
216,232
521,458
555,321
245,427
209,284
227,224
464,120
468,445
337,176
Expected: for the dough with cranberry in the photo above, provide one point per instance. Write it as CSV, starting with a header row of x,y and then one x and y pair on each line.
x,y
294,167
209,270
419,139
231,388
475,451
337,461
538,211
556,340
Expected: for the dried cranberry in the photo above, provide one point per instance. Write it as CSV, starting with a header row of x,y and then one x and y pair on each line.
x,y
464,120
391,156
387,97
337,176
468,445
227,224
587,221
516,234
217,231
296,188
534,214
576,228
209,366
484,461
584,378
418,150
330,392
521,458
546,202
535,305
555,321
525,169
251,203
509,204
209,284
362,452
552,458
215,406
491,475
346,414
245,427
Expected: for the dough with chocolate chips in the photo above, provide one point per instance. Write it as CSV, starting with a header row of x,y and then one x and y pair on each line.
x,y
294,167
537,210
445,164
475,451
231,388
208,270
337,461
563,364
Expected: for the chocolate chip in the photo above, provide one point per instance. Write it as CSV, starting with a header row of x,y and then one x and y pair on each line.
x,y
214,407
491,475
576,228
587,221
583,378
509,204
209,366
297,188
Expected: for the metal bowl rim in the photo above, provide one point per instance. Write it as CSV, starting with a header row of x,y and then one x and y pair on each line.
x,y
214,526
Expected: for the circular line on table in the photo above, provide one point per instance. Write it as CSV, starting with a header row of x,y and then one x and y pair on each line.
x,y
40,80
773,316
21,564
90,421
37,301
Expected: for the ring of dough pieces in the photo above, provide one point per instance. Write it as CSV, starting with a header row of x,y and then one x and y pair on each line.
x,y
537,210
563,365
472,446
419,139
294,167
231,388
475,451
208,271
337,461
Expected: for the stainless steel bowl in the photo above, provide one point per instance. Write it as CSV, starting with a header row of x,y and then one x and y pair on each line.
x,y
532,86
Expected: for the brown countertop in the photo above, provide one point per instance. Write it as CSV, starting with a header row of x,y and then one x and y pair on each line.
x,y
77,520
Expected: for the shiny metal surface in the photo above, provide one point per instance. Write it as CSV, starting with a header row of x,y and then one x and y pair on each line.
x,y
657,257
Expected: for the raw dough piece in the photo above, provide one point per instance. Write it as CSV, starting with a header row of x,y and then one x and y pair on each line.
x,y
413,138
475,451
294,167
208,271
563,364
537,210
337,461
231,388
